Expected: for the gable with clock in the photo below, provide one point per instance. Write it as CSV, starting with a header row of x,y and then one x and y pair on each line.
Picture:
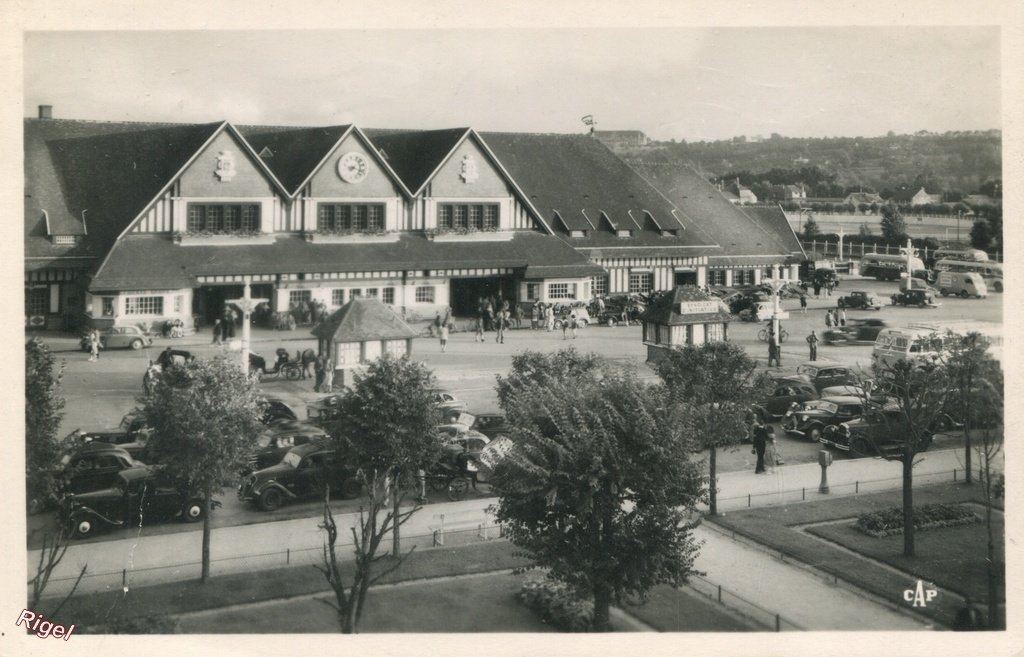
x,y
353,167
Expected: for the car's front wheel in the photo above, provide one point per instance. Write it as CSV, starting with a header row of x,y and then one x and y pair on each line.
x,y
82,527
193,511
610,322
814,434
860,447
136,344
350,489
271,499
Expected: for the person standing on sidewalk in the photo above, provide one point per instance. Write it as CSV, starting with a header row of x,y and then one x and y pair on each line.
x,y
499,325
803,303
216,332
828,318
760,443
444,337
812,343
479,337
842,317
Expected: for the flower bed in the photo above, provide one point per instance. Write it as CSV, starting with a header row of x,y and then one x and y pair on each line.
x,y
557,604
890,521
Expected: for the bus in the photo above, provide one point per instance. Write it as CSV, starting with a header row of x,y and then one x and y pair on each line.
x,y
885,267
992,272
971,255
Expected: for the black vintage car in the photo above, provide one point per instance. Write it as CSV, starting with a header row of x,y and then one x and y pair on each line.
x,y
278,439
879,431
809,419
301,474
139,495
94,466
274,408
856,331
860,300
920,298
130,435
786,392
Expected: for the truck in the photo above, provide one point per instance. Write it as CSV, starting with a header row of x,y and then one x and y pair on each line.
x,y
964,284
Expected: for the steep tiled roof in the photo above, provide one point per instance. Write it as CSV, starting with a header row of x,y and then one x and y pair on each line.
x,y
415,154
772,219
578,178
110,171
738,232
363,319
141,262
293,152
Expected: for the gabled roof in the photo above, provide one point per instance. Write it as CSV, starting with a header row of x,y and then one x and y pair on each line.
x,y
108,171
364,319
295,152
773,220
736,230
415,155
579,178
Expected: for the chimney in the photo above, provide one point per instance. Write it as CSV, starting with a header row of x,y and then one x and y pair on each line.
x,y
46,111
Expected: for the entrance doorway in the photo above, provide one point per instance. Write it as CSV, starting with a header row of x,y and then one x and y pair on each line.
x,y
686,278
466,293
208,301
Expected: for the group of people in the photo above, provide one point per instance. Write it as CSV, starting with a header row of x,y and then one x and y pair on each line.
x,y
835,317
323,370
825,287
543,316
763,438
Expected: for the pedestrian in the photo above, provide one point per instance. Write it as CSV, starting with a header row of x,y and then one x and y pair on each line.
x,y
625,314
817,290
812,343
216,332
828,288
519,316
488,315
773,353
572,324
318,371
479,329
290,322
94,345
534,316
444,337
549,318
149,379
828,319
760,440
500,324
968,618
842,316
803,303
774,456
600,306
435,326
328,383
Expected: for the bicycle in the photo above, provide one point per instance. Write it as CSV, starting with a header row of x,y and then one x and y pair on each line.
x,y
762,335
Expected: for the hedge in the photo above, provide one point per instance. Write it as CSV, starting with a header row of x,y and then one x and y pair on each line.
x,y
557,604
890,521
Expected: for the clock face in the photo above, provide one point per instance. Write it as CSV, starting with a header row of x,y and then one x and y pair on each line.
x,y
352,167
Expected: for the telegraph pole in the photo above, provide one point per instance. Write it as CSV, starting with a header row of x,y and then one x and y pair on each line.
x,y
246,304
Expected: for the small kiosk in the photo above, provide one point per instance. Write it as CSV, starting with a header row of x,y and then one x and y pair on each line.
x,y
681,317
359,332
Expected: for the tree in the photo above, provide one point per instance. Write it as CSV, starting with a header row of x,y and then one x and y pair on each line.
x,y
598,485
966,356
205,419
387,425
988,402
981,234
918,390
350,601
55,546
811,229
894,228
534,368
717,382
44,410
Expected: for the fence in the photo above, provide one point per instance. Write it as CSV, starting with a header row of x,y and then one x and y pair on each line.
x,y
858,250
757,613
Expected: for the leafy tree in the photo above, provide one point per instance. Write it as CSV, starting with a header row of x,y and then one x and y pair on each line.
x,y
205,419
811,229
981,234
966,354
717,382
387,425
44,410
894,228
598,485
544,369
918,390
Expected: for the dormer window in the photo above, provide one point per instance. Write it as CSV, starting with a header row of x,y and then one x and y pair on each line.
x,y
670,232
624,232
577,233
65,240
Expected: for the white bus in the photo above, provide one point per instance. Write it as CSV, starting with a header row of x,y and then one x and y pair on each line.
x,y
973,255
919,342
992,272
889,267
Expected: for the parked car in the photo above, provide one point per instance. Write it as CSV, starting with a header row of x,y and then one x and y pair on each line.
x,y
301,474
324,409
279,438
921,298
786,392
582,317
856,331
614,306
94,466
458,434
275,408
131,435
491,425
449,405
860,300
117,337
879,431
809,419
823,376
138,496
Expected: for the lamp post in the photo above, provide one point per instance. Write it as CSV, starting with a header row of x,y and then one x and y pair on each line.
x,y
959,213
908,251
246,304
776,285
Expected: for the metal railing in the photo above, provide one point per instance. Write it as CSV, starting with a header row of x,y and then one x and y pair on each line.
x,y
760,615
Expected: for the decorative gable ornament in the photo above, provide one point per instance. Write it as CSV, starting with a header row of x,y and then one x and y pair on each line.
x,y
225,166
469,173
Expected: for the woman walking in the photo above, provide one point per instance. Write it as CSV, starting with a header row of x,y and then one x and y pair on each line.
x,y
444,337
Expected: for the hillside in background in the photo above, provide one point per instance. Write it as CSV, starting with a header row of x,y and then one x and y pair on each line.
x,y
950,162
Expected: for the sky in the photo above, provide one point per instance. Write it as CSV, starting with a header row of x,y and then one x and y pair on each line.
x,y
673,83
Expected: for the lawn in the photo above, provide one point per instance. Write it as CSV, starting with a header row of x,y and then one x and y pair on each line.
x,y
950,557
775,528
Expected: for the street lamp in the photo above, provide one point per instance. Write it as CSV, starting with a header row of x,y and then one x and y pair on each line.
x,y
776,285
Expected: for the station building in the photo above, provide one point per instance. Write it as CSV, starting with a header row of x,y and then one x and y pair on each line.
x,y
145,222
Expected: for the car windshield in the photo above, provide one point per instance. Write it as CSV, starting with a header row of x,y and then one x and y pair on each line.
x,y
820,405
807,370
292,459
